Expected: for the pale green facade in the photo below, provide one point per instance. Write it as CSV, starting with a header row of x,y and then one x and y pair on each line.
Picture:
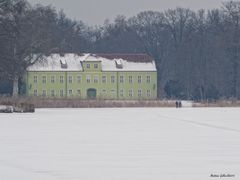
x,y
92,82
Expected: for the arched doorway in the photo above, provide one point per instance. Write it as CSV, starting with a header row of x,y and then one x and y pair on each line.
x,y
91,93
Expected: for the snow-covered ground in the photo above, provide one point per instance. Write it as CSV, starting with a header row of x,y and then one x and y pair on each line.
x,y
120,144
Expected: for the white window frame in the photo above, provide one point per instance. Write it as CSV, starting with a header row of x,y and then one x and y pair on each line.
x,y
139,79
121,79
104,79
139,93
121,93
52,79
148,79
35,92
130,93
61,93
70,79
44,93
88,66
44,79
95,66
52,93
95,79
79,79
112,79
35,79
70,94
130,79
61,80
148,93
88,79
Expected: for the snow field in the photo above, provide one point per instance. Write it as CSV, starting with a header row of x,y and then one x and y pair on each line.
x,y
120,144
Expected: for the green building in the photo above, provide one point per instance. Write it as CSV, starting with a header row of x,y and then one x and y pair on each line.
x,y
94,76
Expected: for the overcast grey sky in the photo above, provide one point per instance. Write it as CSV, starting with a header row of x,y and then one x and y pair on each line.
x,y
94,12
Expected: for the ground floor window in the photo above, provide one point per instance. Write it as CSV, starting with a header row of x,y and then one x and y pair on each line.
x,y
148,93
35,92
121,93
130,93
52,93
61,93
70,92
79,92
139,93
44,93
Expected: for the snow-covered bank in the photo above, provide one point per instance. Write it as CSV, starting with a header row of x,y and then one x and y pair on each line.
x,y
120,144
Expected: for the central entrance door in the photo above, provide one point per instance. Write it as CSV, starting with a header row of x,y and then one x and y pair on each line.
x,y
91,93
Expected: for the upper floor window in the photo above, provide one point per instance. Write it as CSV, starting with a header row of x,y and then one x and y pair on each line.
x,y
44,79
121,79
79,79
61,79
70,79
35,79
95,79
139,79
88,79
112,79
104,79
52,79
130,79
95,66
148,79
88,66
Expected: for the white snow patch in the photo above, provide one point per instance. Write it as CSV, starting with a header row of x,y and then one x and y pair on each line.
x,y
120,144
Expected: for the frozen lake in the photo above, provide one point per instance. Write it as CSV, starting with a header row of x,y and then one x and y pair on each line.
x,y
120,144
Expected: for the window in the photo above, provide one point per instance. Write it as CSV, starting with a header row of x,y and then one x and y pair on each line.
x,y
121,93
95,66
88,79
130,79
61,93
139,79
70,79
44,93
113,92
61,79
121,79
88,66
44,79
35,79
139,93
130,93
52,79
52,93
79,79
79,92
112,79
104,91
104,79
148,93
95,79
148,79
35,92
70,92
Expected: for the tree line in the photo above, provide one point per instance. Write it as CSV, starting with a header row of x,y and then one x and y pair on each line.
x,y
197,53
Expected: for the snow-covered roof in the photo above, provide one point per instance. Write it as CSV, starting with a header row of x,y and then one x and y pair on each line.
x,y
110,62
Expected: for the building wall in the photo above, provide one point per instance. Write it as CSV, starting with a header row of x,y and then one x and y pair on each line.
x,y
75,84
